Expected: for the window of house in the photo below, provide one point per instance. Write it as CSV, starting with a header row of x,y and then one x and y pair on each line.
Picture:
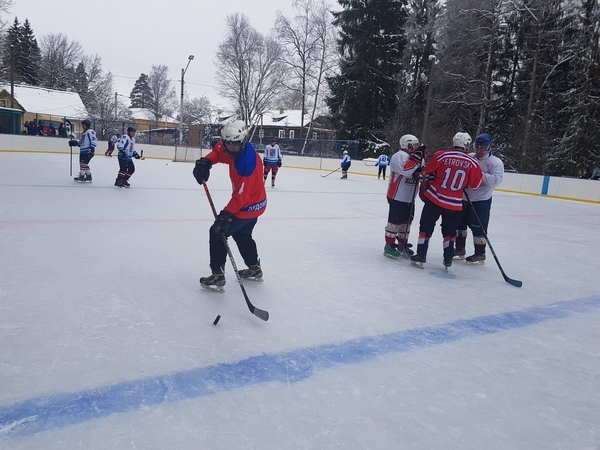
x,y
3,103
291,134
281,134
314,135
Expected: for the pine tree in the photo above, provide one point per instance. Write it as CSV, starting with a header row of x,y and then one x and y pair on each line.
x,y
30,56
363,95
10,54
141,94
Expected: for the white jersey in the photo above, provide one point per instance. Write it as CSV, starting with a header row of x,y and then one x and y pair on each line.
x,y
493,172
402,186
272,154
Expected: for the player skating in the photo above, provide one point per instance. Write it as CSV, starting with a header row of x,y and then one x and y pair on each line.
x,y
126,149
447,174
272,161
382,162
346,163
476,210
248,201
111,144
401,193
87,147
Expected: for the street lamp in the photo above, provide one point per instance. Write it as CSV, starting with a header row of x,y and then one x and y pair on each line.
x,y
183,71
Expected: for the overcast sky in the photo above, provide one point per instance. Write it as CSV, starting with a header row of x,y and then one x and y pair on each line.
x,y
132,35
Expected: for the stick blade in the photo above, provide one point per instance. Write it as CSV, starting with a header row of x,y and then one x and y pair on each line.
x,y
261,314
515,283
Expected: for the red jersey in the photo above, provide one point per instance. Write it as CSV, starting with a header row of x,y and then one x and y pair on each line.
x,y
249,198
454,171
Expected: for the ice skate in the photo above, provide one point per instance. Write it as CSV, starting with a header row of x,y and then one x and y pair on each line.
x,y
418,260
460,253
405,251
447,262
118,183
214,282
125,183
391,251
87,177
80,178
272,184
252,273
476,260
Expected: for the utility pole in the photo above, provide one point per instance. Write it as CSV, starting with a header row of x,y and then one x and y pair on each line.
x,y
12,76
183,71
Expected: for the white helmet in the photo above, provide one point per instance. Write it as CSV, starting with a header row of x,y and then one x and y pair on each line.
x,y
235,133
462,140
408,139
345,152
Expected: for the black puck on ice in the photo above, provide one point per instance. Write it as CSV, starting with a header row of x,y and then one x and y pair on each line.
x,y
216,320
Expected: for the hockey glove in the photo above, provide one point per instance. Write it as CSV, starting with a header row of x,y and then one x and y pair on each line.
x,y
265,162
202,170
278,163
73,143
419,153
222,222
92,152
136,155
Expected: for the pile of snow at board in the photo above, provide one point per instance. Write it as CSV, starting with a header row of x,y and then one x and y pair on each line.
x,y
108,341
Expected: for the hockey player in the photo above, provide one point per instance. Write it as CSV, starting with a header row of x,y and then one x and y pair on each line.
x,y
272,161
402,189
87,147
481,199
346,163
248,201
111,144
382,162
125,146
447,174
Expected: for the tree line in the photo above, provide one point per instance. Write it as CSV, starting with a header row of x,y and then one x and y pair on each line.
x,y
526,71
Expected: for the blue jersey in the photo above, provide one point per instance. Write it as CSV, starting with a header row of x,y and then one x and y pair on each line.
x,y
383,161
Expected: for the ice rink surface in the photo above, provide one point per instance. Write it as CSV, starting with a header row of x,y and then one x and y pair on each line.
x,y
107,341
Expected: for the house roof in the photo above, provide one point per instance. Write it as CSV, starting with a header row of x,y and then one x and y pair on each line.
x,y
284,118
146,114
40,100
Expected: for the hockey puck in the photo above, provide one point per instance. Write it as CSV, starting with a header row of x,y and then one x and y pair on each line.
x,y
216,320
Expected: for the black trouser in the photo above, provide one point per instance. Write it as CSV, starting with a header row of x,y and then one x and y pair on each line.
x,y
241,232
381,170
429,216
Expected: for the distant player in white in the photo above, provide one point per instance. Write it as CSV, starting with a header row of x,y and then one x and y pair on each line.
x,y
272,161
402,189
481,199
346,163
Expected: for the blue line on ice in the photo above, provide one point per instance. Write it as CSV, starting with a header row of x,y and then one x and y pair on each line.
x,y
45,413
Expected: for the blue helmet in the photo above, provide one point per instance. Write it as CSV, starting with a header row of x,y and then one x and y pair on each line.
x,y
484,140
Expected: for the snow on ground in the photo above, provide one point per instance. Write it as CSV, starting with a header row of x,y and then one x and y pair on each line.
x,y
107,341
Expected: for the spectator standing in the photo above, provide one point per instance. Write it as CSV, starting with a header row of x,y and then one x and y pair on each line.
x,y
272,161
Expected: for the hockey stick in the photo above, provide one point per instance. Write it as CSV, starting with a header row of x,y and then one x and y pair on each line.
x,y
261,314
372,165
515,283
71,162
323,176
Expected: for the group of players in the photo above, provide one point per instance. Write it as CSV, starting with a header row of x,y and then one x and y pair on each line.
x,y
455,184
87,148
